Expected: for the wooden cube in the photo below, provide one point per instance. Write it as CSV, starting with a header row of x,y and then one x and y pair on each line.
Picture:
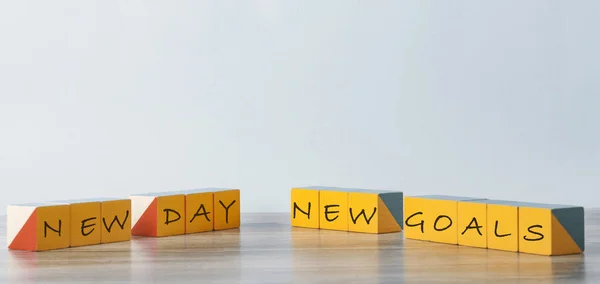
x,y
199,210
432,217
158,214
116,220
333,208
304,207
38,226
549,229
502,225
227,208
85,221
375,211
99,220
472,223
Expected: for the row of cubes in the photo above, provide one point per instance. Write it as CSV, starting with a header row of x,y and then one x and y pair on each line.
x,y
535,228
347,209
82,222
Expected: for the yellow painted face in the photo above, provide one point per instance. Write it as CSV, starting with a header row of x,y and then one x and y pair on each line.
x,y
502,227
415,211
116,220
333,210
304,208
53,227
86,223
171,215
442,221
472,225
199,212
364,210
227,209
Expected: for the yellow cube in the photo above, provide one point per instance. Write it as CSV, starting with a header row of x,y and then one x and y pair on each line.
x,y
502,225
227,208
375,211
432,217
38,226
85,227
116,220
548,229
472,223
333,209
199,204
158,214
415,209
304,207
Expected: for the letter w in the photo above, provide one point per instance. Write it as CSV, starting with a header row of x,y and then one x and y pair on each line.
x,y
362,212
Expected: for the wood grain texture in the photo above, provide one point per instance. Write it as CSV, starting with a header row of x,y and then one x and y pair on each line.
x,y
266,249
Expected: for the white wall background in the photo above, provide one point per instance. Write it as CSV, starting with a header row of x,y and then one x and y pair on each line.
x,y
497,99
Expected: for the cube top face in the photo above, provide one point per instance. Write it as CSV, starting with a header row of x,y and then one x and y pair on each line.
x,y
523,204
220,189
543,205
324,188
376,191
202,190
84,200
156,194
346,189
448,197
319,187
38,204
184,192
490,201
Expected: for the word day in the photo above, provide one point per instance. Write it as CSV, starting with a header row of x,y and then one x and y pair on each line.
x,y
72,223
185,212
347,209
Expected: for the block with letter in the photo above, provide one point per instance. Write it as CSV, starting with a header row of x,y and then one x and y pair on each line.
x,y
85,221
472,223
502,225
333,208
375,211
99,220
158,214
116,219
433,217
548,229
199,210
38,226
305,207
227,208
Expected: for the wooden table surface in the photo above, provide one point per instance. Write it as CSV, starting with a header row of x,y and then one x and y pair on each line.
x,y
267,250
